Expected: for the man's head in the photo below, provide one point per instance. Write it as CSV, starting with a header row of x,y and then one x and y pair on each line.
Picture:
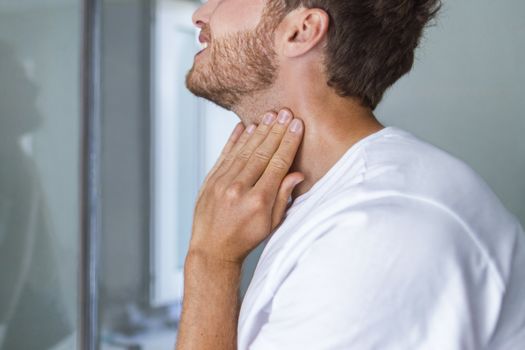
x,y
365,45
239,59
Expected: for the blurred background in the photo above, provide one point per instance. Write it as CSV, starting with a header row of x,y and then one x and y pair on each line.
x,y
465,94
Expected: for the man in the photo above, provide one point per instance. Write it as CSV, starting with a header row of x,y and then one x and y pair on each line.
x,y
389,242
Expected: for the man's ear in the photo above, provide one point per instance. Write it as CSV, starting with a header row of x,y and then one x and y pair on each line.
x,y
304,29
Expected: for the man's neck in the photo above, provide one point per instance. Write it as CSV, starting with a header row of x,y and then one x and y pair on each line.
x,y
332,125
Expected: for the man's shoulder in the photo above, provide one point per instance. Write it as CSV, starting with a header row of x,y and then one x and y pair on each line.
x,y
371,228
392,240
393,218
414,222
404,161
403,164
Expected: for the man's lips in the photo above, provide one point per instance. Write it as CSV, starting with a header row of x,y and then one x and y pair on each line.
x,y
204,39
202,50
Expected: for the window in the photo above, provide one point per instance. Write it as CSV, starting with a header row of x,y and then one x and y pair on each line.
x,y
187,136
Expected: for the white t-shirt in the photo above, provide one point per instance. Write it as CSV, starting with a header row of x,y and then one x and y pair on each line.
x,y
400,246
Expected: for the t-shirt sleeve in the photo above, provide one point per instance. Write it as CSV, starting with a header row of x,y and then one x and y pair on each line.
x,y
409,276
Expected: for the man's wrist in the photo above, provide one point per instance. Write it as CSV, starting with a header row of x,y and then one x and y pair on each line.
x,y
198,261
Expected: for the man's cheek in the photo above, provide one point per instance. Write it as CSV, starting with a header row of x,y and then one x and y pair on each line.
x,y
233,17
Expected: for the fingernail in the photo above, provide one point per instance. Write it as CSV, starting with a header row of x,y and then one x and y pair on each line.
x,y
238,128
250,129
284,116
268,119
295,126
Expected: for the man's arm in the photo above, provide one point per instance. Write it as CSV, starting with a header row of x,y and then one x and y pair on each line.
x,y
242,200
211,304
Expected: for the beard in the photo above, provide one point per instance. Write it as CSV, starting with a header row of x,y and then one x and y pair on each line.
x,y
238,65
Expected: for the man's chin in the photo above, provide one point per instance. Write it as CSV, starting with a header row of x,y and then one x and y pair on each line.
x,y
201,91
195,86
201,87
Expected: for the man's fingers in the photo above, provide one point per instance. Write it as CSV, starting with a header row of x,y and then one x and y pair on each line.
x,y
281,160
232,140
229,157
259,135
263,153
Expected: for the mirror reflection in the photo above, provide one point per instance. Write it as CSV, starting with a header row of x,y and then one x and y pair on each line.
x,y
39,179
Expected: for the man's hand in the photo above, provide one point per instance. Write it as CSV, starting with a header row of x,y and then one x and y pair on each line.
x,y
245,195
241,201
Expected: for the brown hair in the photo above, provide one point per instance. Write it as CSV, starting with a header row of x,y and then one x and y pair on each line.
x,y
370,43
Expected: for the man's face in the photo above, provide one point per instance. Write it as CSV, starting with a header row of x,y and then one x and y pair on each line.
x,y
240,59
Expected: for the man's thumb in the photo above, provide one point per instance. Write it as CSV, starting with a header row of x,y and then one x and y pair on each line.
x,y
285,191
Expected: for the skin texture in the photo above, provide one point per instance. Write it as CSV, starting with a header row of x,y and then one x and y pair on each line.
x,y
245,195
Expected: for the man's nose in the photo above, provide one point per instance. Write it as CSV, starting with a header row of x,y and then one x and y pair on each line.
x,y
202,15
